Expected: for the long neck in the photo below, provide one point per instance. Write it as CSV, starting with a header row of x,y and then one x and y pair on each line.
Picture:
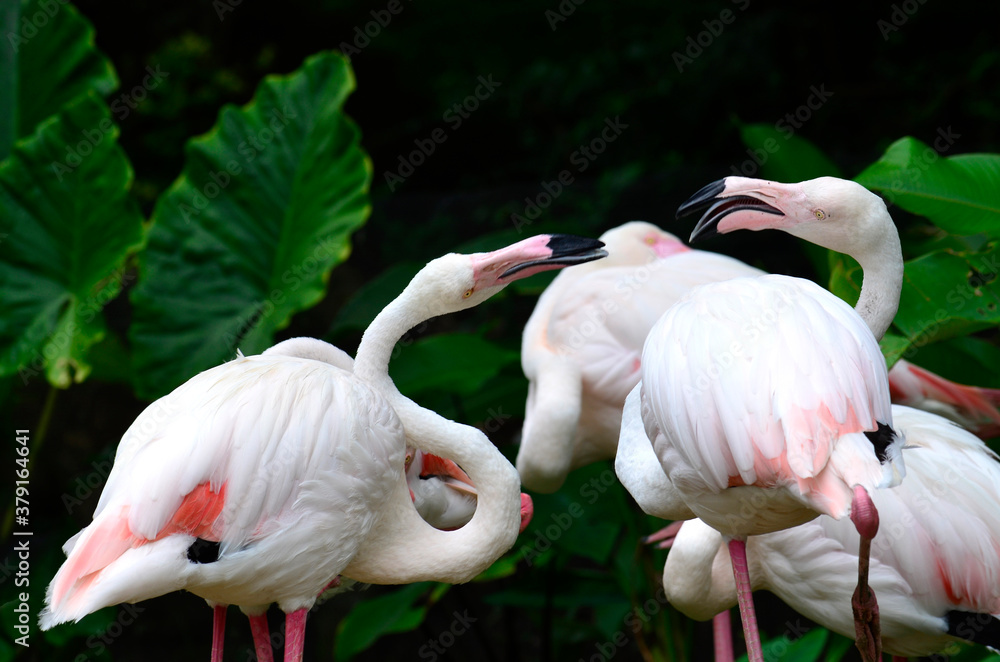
x,y
402,548
698,575
882,264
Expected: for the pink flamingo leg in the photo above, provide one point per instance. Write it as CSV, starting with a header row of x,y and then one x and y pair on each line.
x,y
664,536
722,635
738,554
218,631
866,621
295,635
261,637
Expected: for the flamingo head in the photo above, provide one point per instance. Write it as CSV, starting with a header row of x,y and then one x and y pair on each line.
x,y
455,281
638,242
423,466
835,213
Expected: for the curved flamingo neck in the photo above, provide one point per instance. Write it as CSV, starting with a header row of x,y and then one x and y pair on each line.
x,y
698,576
402,547
882,265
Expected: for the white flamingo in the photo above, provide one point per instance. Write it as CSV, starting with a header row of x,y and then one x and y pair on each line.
x,y
766,399
935,564
582,346
264,479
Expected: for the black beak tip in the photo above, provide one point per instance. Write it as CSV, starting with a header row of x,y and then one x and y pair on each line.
x,y
705,230
569,244
702,199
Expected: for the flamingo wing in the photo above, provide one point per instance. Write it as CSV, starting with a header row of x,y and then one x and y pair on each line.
x,y
234,456
733,361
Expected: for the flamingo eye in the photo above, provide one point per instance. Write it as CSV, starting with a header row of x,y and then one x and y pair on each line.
x,y
820,214
468,293
650,240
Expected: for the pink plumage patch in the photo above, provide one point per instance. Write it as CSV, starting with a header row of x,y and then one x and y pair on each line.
x,y
198,515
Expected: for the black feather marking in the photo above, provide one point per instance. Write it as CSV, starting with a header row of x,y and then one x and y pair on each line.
x,y
881,439
203,551
982,629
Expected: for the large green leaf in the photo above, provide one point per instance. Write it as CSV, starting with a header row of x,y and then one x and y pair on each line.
x,y
778,154
250,231
385,614
945,295
453,362
49,58
66,228
958,193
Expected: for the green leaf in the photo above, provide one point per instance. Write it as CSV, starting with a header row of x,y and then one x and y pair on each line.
x,y
965,359
49,58
248,235
505,566
807,648
960,194
369,300
944,295
453,362
65,233
784,156
838,647
386,614
893,347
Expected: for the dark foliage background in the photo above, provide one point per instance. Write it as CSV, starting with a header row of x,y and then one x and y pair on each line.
x,y
887,69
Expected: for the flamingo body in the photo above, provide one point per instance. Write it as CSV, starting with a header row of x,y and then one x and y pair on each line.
x,y
582,345
308,472
935,563
264,479
762,389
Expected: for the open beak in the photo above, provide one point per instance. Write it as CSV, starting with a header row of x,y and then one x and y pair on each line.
x,y
450,474
534,255
730,195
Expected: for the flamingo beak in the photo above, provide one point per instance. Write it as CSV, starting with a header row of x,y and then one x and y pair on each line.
x,y
527,511
753,198
534,255
450,474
